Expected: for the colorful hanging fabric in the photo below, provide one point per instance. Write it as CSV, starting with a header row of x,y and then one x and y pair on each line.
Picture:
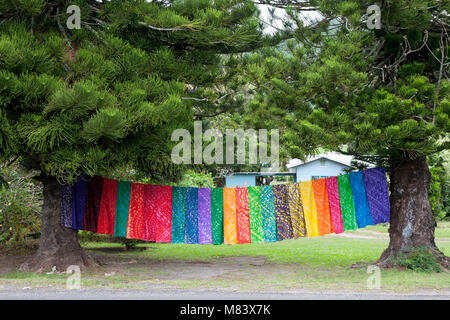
x,y
309,208
135,225
150,194
192,216
107,216
268,214
242,216
122,208
362,209
217,215
335,206
254,203
322,206
284,223
229,216
347,204
204,216
67,206
93,200
377,194
178,214
296,211
79,200
163,214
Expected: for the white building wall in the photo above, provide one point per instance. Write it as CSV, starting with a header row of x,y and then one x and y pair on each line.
x,y
324,168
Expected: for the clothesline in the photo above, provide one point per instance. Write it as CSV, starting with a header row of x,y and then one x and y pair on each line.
x,y
167,214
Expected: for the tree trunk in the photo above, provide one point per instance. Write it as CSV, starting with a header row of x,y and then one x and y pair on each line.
x,y
412,223
58,246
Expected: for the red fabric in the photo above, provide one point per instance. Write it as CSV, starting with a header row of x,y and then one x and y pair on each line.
x,y
135,226
335,206
150,207
163,214
107,215
243,218
322,206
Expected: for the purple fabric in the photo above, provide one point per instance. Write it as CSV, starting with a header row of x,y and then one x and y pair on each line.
x,y
377,194
66,206
204,216
79,203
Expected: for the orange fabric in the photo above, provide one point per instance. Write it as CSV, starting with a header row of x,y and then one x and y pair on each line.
x,y
229,216
243,216
135,227
322,206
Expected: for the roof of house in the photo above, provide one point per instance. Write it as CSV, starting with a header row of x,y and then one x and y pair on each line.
x,y
333,156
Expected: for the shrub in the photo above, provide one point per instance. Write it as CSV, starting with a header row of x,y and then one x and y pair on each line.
x,y
420,259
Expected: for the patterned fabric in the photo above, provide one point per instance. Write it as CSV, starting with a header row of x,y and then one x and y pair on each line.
x,y
229,216
150,212
346,201
362,209
135,226
268,214
335,206
377,194
322,207
217,215
309,208
122,208
66,206
192,216
163,214
107,207
204,216
284,223
178,214
254,202
242,216
93,200
79,203
296,210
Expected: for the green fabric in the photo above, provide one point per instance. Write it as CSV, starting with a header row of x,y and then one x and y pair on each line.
x,y
217,215
178,214
256,227
347,204
122,206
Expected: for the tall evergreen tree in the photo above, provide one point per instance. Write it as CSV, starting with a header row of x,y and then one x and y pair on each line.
x,y
381,94
109,94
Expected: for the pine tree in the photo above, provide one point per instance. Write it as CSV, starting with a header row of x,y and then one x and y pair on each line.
x,y
380,94
109,94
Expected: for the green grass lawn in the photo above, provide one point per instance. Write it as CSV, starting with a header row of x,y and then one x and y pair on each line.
x,y
307,263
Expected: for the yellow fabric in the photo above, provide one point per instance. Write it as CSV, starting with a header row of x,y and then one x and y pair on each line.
x,y
229,216
309,208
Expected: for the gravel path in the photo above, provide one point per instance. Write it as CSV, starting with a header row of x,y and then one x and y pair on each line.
x,y
152,294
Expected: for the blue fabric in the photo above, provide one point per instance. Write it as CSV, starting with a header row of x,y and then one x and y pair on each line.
x,y
362,209
178,214
268,214
191,235
79,203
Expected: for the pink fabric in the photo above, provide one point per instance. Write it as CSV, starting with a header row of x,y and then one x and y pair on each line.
x,y
335,206
150,208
